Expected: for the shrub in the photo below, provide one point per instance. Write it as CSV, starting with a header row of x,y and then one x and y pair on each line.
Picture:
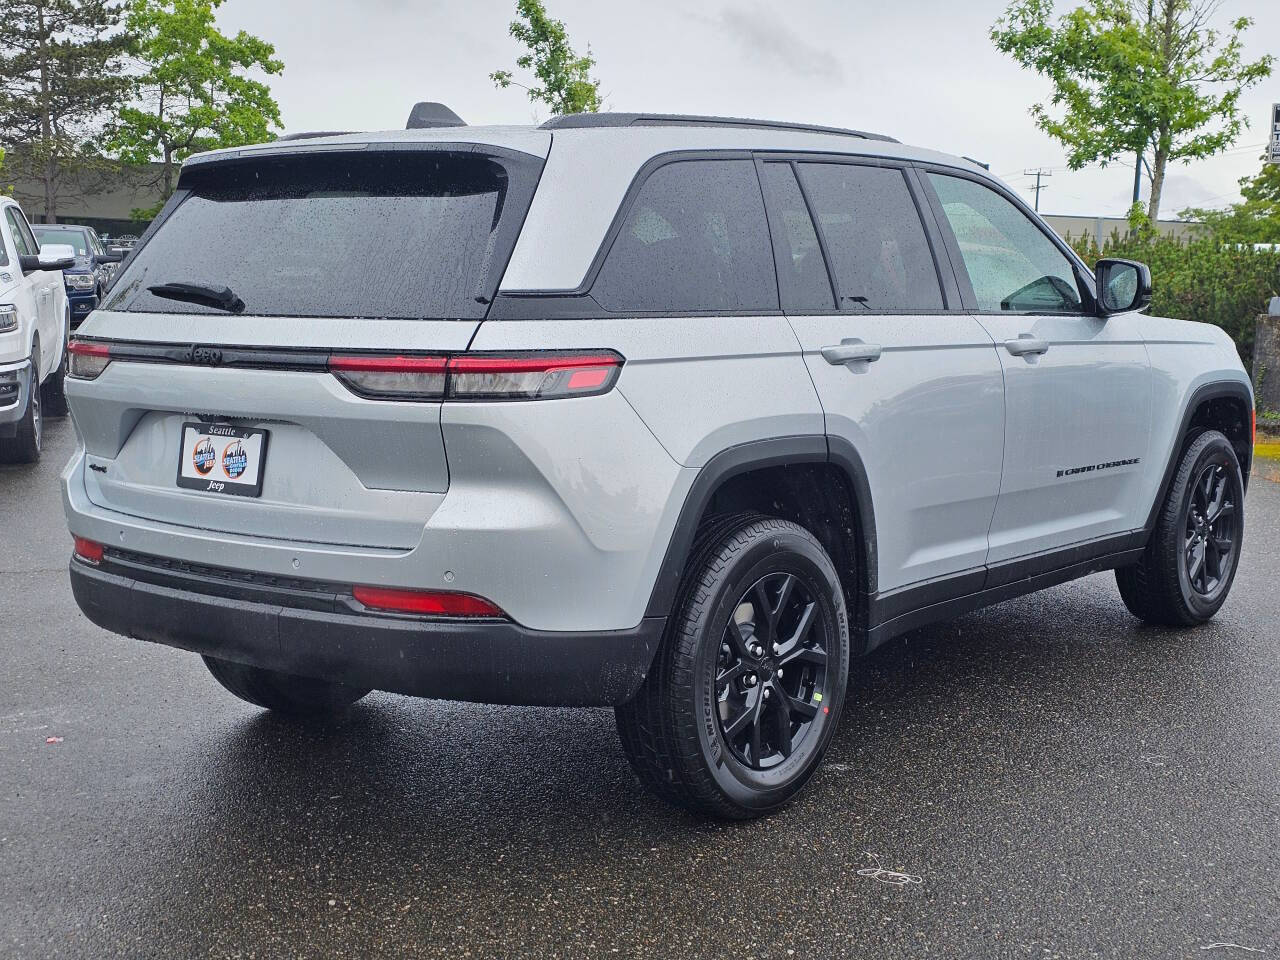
x,y
1201,279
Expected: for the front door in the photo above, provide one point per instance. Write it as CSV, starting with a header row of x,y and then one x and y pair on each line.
x,y
39,287
1077,386
907,378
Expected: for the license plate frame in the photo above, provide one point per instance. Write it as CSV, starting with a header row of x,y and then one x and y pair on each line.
x,y
226,444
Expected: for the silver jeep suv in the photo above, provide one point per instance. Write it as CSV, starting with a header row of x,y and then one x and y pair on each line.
x,y
671,414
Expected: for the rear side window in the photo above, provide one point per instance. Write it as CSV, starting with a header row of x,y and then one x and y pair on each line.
x,y
404,234
879,253
694,240
803,282
1012,265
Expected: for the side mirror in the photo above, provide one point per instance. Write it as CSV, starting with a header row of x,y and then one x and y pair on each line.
x,y
1122,286
115,255
30,263
120,252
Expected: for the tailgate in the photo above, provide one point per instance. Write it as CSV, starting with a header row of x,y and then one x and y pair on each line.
x,y
337,468
222,321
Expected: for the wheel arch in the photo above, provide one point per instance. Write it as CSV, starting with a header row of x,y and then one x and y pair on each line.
x,y
818,481
1224,405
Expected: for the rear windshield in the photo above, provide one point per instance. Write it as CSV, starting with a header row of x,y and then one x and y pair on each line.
x,y
405,234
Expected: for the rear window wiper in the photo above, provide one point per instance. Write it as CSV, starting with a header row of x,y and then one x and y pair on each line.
x,y
203,293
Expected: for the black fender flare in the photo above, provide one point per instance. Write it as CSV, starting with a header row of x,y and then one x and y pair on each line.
x,y
1218,389
755,455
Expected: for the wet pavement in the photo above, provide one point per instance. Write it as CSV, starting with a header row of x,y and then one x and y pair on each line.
x,y
1062,781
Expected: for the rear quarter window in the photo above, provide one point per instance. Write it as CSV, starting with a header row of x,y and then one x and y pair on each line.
x,y
695,239
398,234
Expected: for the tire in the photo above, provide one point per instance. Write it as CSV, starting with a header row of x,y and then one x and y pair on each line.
x,y
24,446
283,692
55,397
689,733
1190,561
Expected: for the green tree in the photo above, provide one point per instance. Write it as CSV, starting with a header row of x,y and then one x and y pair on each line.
x,y
60,76
1134,77
195,92
564,78
1256,218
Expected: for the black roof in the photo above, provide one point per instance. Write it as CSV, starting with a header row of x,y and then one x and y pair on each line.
x,y
578,121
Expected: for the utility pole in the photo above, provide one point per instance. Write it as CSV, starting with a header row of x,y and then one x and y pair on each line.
x,y
1041,172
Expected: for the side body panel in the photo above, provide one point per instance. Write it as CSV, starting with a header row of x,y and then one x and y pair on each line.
x,y
1078,419
700,385
927,418
26,293
1186,359
50,296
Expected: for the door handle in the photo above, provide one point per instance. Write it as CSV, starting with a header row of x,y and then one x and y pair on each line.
x,y
851,351
1026,345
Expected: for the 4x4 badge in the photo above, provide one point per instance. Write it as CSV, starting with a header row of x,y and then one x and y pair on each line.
x,y
207,356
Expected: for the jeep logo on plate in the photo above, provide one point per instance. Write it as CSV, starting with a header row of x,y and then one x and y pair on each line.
x,y
208,356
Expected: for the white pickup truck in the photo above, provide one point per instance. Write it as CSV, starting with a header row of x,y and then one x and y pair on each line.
x,y
34,322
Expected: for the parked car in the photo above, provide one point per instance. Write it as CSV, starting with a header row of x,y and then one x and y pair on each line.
x,y
677,415
88,277
34,322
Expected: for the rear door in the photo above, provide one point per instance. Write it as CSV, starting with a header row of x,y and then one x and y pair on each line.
x,y
1077,386
329,255
906,378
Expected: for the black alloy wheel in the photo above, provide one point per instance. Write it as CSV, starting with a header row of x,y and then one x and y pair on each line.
x,y
1210,530
771,672
1191,557
746,690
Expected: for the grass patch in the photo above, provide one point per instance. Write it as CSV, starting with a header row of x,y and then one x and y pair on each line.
x,y
1267,451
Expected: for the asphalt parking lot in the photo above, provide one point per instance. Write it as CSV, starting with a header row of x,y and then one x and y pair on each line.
x,y
1062,782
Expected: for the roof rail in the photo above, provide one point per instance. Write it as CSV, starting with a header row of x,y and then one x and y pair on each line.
x,y
578,121
312,134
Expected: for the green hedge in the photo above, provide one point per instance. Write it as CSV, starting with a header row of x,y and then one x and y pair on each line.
x,y
1201,279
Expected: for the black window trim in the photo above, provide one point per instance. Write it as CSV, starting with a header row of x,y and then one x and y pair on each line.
x,y
761,160
1084,276
947,283
578,303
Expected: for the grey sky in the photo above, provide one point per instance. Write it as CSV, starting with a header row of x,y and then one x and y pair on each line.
x,y
923,71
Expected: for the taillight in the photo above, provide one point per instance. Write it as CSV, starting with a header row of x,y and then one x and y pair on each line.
x,y
90,551
88,360
440,603
542,375
392,377
535,376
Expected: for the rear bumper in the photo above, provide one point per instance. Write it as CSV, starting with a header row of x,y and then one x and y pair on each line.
x,y
304,632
